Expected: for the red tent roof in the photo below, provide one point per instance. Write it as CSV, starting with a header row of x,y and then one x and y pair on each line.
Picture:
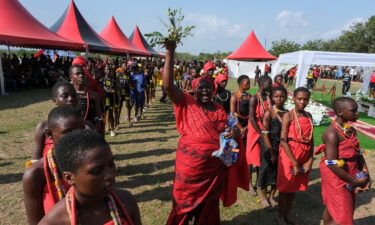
x,y
73,26
19,28
138,40
251,49
113,34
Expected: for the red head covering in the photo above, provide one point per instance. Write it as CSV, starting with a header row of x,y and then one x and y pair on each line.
x,y
198,80
80,60
209,65
221,77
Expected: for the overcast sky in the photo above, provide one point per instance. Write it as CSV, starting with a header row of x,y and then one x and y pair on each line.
x,y
221,25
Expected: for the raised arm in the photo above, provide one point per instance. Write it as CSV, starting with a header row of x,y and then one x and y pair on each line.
x,y
174,93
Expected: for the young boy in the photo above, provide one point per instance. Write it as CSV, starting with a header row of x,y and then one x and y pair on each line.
x,y
63,93
125,83
341,145
88,165
42,185
295,154
259,104
110,97
138,93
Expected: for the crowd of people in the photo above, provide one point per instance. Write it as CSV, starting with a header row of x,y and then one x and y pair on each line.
x,y
71,177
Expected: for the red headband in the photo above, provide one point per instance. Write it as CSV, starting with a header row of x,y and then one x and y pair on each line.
x,y
221,77
198,80
208,66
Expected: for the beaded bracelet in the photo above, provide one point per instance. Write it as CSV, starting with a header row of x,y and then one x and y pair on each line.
x,y
265,132
30,162
99,118
339,163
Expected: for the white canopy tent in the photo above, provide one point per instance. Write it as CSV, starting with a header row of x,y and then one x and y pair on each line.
x,y
242,67
304,59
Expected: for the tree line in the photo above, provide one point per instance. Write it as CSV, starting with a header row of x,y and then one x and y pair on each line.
x,y
359,38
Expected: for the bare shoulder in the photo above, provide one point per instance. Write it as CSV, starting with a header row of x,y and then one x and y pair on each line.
x,y
35,173
40,127
128,200
329,134
58,215
287,116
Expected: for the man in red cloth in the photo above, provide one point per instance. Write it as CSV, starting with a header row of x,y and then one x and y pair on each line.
x,y
39,181
199,179
341,142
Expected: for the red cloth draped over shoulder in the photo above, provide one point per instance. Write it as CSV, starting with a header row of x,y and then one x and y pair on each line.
x,y
286,181
238,176
198,175
126,221
253,146
50,195
339,201
48,144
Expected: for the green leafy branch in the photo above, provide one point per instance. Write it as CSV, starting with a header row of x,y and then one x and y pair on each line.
x,y
176,32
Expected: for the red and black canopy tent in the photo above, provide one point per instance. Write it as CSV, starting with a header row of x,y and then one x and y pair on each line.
x,y
73,26
20,29
138,40
113,34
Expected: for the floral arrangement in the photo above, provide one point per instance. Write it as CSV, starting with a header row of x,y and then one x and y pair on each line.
x,y
317,110
360,96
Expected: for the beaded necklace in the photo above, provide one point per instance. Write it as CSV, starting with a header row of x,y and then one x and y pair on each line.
x,y
239,96
260,100
223,100
276,110
343,131
295,117
52,165
71,208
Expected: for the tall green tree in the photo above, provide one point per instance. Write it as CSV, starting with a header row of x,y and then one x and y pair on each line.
x,y
284,46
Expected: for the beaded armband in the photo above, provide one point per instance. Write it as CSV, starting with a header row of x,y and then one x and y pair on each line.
x,y
30,162
99,118
339,163
265,132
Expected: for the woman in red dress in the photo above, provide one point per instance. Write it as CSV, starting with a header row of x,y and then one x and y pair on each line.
x,y
199,179
259,104
295,155
341,162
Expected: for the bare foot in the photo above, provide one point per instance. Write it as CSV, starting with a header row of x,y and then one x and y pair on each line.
x,y
281,221
252,191
273,203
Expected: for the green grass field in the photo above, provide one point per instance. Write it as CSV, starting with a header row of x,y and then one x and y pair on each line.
x,y
145,157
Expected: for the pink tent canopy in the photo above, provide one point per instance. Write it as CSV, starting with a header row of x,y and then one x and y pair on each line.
x,y
113,34
251,49
19,28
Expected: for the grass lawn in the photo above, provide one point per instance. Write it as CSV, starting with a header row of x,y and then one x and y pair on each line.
x,y
145,157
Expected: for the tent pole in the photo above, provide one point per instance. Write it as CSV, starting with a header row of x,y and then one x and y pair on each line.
x,y
8,49
87,51
2,87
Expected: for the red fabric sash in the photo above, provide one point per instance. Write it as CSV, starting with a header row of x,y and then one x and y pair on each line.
x,y
197,174
286,181
48,144
50,195
339,201
252,146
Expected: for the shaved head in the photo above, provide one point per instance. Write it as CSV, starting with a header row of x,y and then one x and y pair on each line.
x,y
341,102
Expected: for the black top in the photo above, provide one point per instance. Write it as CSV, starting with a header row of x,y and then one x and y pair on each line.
x,y
223,98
